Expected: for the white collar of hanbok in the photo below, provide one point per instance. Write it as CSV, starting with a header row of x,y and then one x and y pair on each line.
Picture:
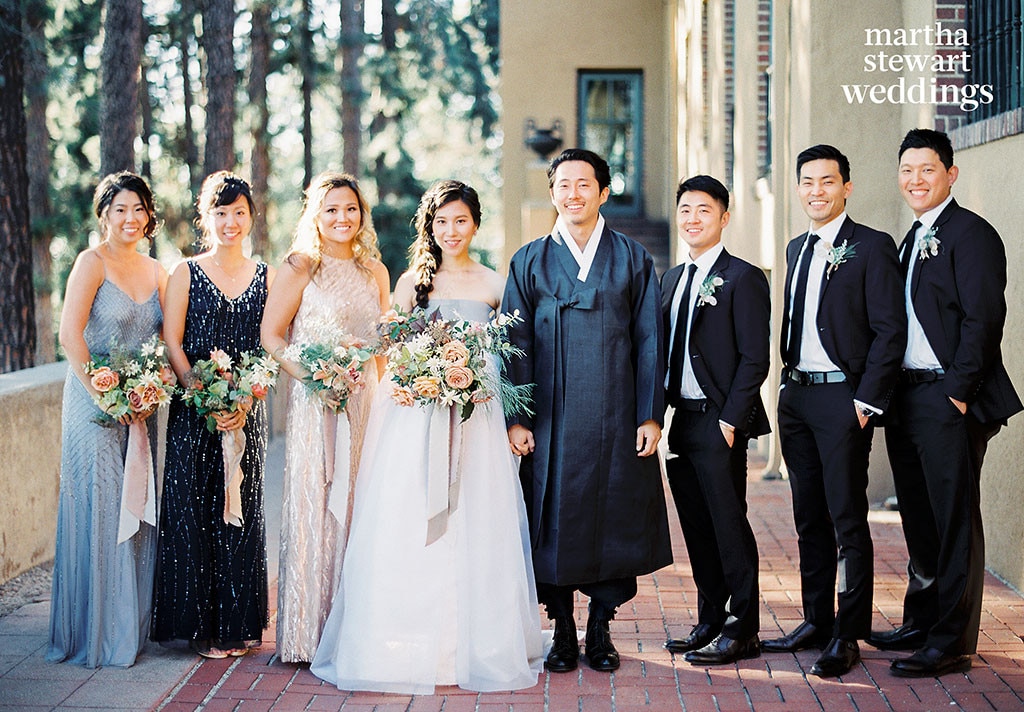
x,y
585,257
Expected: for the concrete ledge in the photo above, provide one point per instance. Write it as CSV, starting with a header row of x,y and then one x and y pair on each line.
x,y
30,408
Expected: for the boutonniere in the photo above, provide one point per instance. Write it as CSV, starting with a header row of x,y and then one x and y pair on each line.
x,y
928,244
837,255
706,294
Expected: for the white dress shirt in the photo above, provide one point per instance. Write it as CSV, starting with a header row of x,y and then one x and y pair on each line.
x,y
690,387
584,257
812,354
920,354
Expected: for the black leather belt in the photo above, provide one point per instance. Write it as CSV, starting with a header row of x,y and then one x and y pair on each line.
x,y
813,378
921,375
692,405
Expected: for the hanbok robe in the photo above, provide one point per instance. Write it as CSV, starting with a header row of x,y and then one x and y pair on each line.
x,y
596,510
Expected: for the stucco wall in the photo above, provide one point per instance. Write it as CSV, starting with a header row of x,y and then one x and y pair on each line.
x,y
29,466
541,51
985,185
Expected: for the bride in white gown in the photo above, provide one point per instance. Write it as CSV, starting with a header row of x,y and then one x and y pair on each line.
x,y
463,609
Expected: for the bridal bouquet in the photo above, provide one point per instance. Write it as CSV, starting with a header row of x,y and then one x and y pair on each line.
x,y
131,381
335,367
440,361
220,384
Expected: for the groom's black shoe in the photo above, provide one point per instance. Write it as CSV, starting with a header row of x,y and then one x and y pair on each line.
x,y
601,654
700,635
565,649
903,638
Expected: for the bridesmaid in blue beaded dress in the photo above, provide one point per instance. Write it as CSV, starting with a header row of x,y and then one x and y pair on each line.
x,y
211,585
331,282
99,611
462,610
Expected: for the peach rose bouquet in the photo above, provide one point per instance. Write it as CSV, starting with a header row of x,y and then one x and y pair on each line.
x,y
129,382
221,384
450,362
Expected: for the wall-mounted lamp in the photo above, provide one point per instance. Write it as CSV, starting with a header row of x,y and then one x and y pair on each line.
x,y
543,142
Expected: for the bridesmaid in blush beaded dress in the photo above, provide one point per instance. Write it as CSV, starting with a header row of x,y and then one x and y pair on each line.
x,y
331,282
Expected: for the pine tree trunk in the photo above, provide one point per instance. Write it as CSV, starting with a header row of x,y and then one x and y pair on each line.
x,y
183,28
308,78
38,156
352,45
218,36
119,94
17,314
258,69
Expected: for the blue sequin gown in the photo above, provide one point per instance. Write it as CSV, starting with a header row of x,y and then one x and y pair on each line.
x,y
99,611
211,584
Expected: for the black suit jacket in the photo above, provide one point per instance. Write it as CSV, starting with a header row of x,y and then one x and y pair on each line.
x,y
958,297
862,318
729,341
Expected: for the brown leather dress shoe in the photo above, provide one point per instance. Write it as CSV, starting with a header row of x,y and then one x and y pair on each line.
x,y
930,662
700,635
723,650
837,659
565,648
806,635
902,638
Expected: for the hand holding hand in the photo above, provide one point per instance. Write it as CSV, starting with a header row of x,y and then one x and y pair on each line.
x,y
520,439
647,437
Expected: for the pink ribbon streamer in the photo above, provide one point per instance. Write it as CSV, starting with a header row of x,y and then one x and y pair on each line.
x,y
138,495
232,443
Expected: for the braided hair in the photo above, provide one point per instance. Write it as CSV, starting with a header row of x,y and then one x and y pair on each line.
x,y
425,253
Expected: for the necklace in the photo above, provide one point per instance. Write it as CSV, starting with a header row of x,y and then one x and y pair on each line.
x,y
227,274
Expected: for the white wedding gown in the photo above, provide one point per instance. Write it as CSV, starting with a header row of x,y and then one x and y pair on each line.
x,y
460,611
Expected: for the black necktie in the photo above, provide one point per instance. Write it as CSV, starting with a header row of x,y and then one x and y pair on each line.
x,y
799,305
675,371
908,247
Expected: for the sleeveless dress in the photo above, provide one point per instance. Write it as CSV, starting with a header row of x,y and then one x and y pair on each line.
x,y
340,296
460,611
211,583
99,612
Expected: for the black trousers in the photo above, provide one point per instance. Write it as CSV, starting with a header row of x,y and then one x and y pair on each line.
x,y
605,597
709,486
826,453
936,455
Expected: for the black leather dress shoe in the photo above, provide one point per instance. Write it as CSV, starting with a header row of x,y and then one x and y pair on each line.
x,y
601,654
564,655
837,659
929,662
700,635
723,650
902,638
806,635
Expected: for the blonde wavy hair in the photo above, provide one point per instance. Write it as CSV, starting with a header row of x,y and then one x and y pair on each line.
x,y
309,241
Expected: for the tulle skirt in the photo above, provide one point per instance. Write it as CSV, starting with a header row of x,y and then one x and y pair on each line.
x,y
459,611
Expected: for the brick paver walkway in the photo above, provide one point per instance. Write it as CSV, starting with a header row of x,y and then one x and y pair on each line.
x,y
651,678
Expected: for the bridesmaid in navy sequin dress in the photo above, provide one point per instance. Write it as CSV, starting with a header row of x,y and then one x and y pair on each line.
x,y
211,587
102,589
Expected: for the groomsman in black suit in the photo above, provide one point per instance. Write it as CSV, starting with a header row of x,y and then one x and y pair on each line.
x,y
843,335
953,395
717,311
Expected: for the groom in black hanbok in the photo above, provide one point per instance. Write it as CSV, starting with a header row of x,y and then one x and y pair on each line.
x,y
592,333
